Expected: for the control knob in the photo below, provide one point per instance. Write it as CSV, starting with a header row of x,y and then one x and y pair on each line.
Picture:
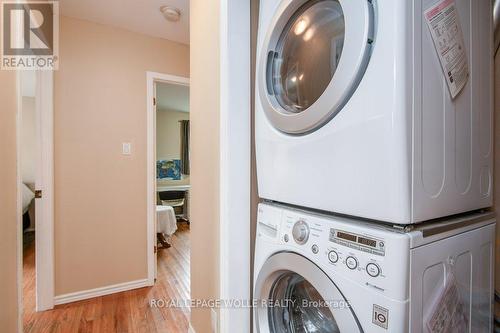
x,y
300,232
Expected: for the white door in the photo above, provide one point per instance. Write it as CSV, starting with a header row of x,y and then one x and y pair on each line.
x,y
44,187
295,295
316,54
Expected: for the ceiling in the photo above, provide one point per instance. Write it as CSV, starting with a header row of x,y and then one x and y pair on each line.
x,y
172,97
142,16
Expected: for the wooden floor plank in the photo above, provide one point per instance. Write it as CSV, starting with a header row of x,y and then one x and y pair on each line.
x,y
127,312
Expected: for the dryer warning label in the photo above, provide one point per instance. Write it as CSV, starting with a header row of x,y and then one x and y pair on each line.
x,y
444,24
380,316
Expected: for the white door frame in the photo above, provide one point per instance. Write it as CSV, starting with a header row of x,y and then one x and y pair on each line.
x,y
152,78
44,222
235,163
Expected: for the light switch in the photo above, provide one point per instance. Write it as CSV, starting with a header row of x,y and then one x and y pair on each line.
x,y
126,148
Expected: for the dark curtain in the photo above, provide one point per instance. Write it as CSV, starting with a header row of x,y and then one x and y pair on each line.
x,y
185,146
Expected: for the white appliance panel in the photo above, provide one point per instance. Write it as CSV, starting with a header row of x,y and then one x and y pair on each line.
x,y
471,264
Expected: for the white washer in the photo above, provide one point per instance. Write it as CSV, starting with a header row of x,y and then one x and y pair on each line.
x,y
303,260
353,115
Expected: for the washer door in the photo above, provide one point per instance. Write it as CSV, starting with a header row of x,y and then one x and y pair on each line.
x,y
314,56
300,299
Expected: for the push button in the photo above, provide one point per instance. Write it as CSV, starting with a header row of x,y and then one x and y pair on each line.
x,y
315,249
333,257
373,270
351,263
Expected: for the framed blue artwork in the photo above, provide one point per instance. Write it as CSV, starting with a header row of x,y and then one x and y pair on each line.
x,y
168,169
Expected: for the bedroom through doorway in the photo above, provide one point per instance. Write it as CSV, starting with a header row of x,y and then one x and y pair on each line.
x,y
170,188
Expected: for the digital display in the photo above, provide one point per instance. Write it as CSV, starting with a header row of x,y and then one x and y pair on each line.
x,y
357,242
346,236
368,242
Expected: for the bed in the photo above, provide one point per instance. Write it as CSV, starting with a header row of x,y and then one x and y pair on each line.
x,y
27,200
28,197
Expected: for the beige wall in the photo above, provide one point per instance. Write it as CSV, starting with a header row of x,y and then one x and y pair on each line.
x,y
28,140
204,112
8,203
168,134
100,194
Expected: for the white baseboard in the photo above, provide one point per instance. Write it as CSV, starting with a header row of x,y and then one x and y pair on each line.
x,y
91,293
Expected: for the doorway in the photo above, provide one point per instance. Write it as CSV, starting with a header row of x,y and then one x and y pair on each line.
x,y
172,171
35,188
169,184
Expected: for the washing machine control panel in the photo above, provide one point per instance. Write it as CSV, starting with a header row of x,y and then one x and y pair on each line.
x,y
358,242
370,255
357,254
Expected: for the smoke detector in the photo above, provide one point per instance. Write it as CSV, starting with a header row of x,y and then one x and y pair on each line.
x,y
171,14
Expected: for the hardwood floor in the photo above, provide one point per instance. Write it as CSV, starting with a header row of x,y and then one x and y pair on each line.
x,y
123,312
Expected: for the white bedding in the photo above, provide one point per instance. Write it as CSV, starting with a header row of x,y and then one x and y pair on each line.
x,y
28,197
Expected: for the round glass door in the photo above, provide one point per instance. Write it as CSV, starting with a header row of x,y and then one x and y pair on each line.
x,y
300,300
314,56
307,54
297,313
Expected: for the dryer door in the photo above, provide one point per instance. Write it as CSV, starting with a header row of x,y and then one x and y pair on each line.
x,y
295,295
315,54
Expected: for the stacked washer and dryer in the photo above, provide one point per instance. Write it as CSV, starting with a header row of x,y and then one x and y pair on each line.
x,y
374,181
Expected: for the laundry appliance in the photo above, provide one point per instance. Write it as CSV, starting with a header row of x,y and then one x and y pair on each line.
x,y
354,114
321,273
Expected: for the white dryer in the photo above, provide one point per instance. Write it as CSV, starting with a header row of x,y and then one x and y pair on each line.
x,y
318,273
353,114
